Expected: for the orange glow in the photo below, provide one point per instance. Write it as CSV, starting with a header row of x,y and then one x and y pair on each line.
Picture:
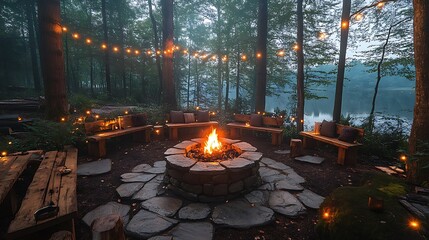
x,y
63,119
126,112
225,58
322,36
247,124
259,55
103,46
380,5
326,215
295,47
128,50
212,143
344,24
359,17
243,57
88,40
195,55
136,52
185,51
97,116
80,119
64,29
4,153
19,118
149,52
115,49
281,53
75,35
414,224
158,52
403,158
198,108
88,112
10,143
214,57
157,131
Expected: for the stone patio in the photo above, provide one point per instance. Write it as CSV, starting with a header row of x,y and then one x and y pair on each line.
x,y
165,215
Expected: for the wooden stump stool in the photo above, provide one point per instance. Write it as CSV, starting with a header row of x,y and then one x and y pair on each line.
x,y
109,227
295,148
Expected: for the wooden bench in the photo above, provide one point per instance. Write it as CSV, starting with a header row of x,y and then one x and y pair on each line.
x,y
48,185
270,125
347,152
173,128
11,167
97,142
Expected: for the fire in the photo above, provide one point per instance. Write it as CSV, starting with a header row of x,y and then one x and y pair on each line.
x,y
212,143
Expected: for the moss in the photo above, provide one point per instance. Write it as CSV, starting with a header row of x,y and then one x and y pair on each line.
x,y
350,217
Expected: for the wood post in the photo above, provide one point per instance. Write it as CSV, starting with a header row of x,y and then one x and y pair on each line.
x,y
109,227
295,148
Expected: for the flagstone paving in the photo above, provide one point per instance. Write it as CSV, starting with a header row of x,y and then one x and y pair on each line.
x,y
164,215
94,168
310,159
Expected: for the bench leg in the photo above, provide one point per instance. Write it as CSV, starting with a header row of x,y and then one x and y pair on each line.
x,y
351,157
142,136
97,148
341,156
173,132
308,143
275,138
147,135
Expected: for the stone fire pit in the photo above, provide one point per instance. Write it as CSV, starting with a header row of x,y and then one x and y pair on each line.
x,y
209,181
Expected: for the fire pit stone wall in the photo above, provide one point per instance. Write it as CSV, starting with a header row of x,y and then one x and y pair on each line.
x,y
213,180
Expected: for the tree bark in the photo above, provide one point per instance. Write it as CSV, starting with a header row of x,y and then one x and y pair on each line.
x,y
227,84
261,56
237,82
168,84
420,127
52,59
300,73
219,58
29,9
106,51
156,43
345,23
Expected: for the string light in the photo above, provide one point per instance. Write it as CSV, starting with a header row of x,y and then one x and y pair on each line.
x,y
258,55
358,17
3,154
214,57
104,46
88,112
281,53
344,24
75,35
195,55
149,52
322,36
128,50
243,57
380,5
136,52
414,224
115,49
185,51
19,118
158,52
64,29
177,48
10,143
63,119
225,58
88,41
403,158
295,47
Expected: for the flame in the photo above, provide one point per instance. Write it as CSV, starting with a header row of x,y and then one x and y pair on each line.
x,y
212,143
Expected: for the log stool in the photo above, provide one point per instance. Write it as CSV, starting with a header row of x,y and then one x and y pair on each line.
x,y
295,148
109,227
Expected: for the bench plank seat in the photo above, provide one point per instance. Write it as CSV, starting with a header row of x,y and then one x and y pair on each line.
x,y
39,195
347,152
276,133
173,127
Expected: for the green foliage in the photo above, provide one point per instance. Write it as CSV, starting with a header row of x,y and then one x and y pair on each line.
x,y
350,217
45,135
81,102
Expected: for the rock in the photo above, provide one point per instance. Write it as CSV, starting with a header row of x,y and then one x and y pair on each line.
x,y
194,211
180,161
159,164
128,189
141,168
282,152
207,168
274,178
310,159
165,206
310,199
229,141
265,172
150,190
244,146
146,224
198,140
285,203
155,170
279,166
107,209
161,238
193,231
140,177
240,214
252,156
288,185
236,187
268,161
185,144
294,177
257,197
172,151
267,186
94,168
130,175
237,163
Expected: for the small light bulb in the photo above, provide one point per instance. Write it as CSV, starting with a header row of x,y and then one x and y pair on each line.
x,y
126,112
128,50
88,41
63,119
136,52
4,153
258,55
103,46
88,112
75,35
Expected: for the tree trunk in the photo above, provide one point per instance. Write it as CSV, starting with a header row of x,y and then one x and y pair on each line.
x,y
345,22
261,56
52,59
188,80
420,127
300,73
29,9
156,43
227,84
120,9
106,51
168,85
237,82
197,84
219,58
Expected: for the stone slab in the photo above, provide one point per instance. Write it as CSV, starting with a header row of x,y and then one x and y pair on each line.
x,y
268,161
265,172
159,164
94,168
155,170
150,190
141,168
140,177
199,140
146,224
180,161
310,199
257,197
229,141
241,214
279,166
107,209
172,151
285,203
194,211
184,144
288,185
193,231
294,177
165,206
207,168
252,156
274,178
237,163
310,159
127,190
244,146
282,152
